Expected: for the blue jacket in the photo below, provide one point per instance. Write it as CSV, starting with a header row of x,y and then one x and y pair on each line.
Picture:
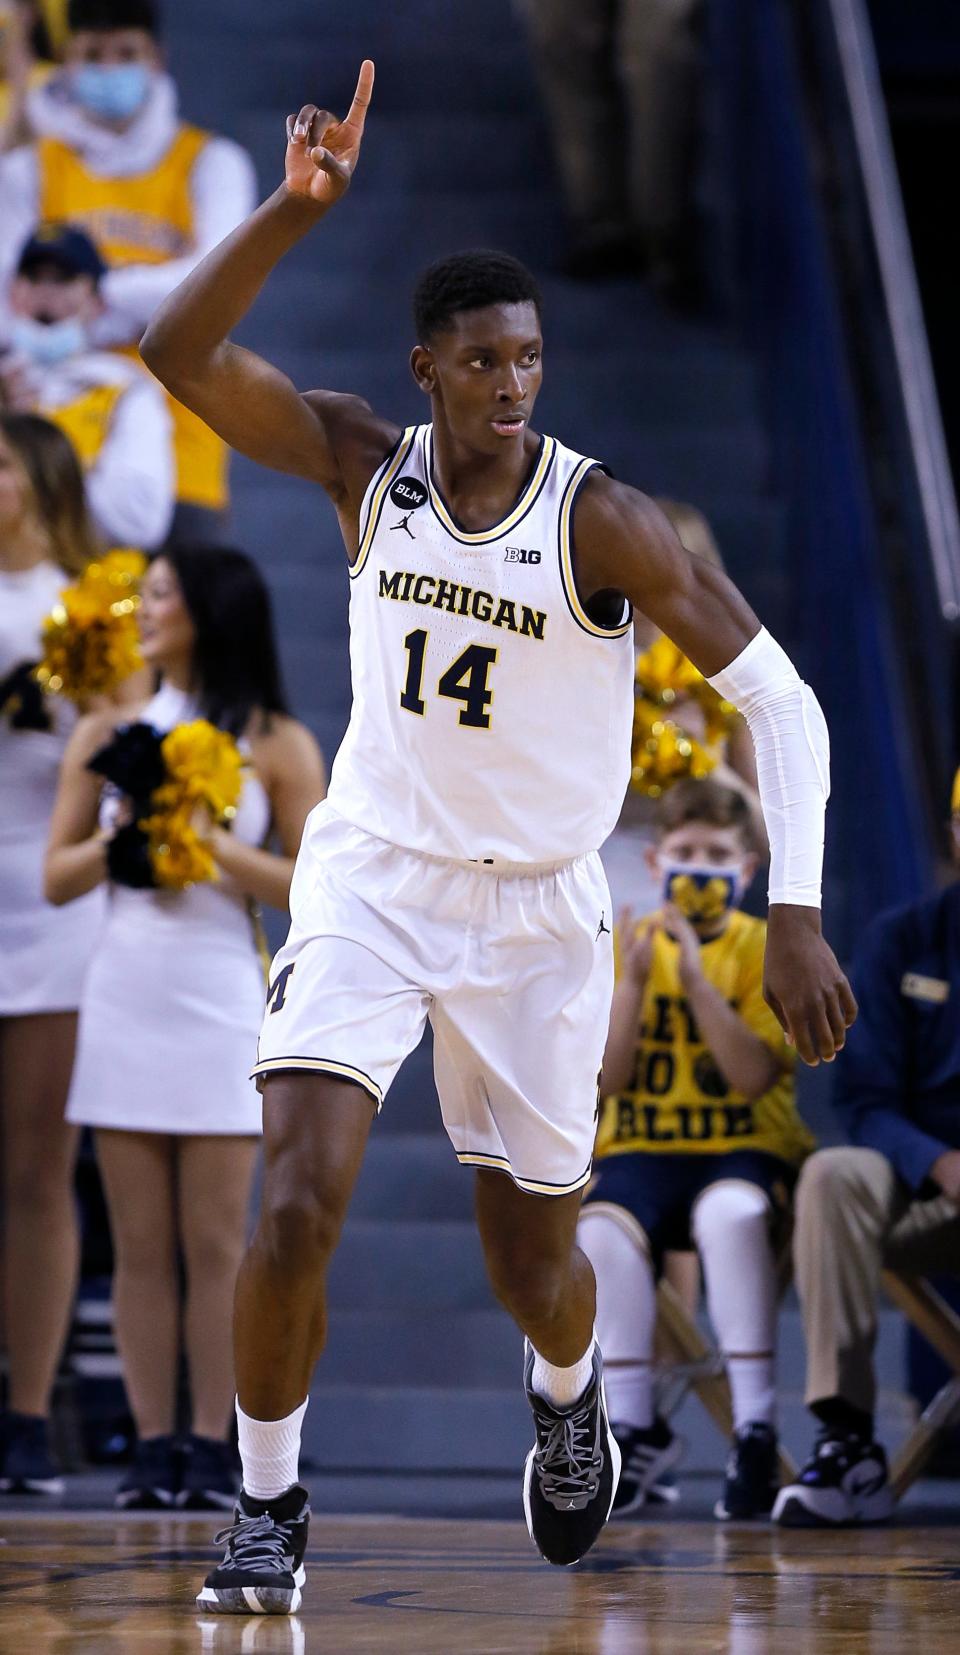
x,y
898,1077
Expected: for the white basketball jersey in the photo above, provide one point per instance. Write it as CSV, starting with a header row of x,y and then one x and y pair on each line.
x,y
491,716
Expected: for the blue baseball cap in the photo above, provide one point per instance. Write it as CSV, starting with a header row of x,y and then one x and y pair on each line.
x,y
65,246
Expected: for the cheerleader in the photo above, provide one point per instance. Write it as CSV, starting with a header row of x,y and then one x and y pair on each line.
x,y
172,1006
45,540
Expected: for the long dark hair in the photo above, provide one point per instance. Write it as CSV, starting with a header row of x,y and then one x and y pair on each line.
x,y
56,482
235,655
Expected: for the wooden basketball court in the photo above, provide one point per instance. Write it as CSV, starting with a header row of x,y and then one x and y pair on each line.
x,y
124,1585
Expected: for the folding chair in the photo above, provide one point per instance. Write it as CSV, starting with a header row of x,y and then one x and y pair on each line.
x,y
939,1324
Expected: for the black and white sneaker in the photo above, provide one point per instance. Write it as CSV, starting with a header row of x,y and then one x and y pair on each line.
x,y
752,1476
28,1466
153,1480
844,1481
262,1572
571,1473
647,1456
209,1481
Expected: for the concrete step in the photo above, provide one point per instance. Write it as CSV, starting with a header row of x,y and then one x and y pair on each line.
x,y
429,1265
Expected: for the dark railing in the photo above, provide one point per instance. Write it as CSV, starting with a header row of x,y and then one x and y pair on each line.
x,y
786,290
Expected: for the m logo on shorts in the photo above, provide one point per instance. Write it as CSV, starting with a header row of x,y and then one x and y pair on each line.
x,y
277,992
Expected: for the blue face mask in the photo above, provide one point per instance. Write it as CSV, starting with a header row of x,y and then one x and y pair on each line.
x,y
702,893
111,91
47,343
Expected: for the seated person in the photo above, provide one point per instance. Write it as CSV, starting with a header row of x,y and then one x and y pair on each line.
x,y
891,1199
698,1143
114,413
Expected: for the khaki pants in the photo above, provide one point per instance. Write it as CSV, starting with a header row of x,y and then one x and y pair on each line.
x,y
621,83
853,1217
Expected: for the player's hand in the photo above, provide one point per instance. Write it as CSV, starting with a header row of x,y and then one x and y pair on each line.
x,y
946,1172
804,986
679,928
322,151
635,945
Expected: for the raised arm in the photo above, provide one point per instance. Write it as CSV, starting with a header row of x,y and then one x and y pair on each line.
x,y
623,543
333,440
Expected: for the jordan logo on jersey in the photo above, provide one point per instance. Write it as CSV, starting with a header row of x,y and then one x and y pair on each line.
x,y
404,523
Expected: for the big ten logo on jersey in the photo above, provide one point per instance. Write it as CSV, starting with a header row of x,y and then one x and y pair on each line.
x,y
277,991
520,554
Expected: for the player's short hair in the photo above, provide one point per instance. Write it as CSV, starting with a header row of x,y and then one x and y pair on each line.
x,y
470,281
705,801
97,16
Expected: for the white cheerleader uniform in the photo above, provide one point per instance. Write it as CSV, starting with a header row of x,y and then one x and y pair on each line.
x,y
173,1001
453,872
44,951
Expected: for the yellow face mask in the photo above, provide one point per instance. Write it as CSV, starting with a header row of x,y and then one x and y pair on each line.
x,y
702,894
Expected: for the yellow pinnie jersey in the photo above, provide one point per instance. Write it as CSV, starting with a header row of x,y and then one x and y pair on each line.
x,y
678,1101
146,218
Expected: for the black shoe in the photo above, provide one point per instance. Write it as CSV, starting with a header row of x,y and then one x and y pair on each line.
x,y
570,1478
646,1455
153,1480
209,1481
753,1475
262,1569
844,1481
28,1466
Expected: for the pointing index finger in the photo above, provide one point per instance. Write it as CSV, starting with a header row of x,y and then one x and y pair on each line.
x,y
361,98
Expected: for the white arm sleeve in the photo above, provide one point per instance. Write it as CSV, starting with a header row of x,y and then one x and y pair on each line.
x,y
793,763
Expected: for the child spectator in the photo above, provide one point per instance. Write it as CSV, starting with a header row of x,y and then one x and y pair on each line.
x,y
153,192
698,1142
111,409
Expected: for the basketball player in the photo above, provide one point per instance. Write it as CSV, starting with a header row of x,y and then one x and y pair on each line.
x,y
453,873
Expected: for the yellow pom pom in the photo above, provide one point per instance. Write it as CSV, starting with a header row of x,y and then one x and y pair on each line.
x,y
90,642
204,770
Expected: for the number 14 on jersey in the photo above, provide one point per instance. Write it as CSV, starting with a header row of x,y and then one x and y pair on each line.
x,y
467,679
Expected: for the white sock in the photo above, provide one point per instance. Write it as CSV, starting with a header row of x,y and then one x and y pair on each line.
x,y
753,1389
270,1452
626,1314
562,1386
731,1226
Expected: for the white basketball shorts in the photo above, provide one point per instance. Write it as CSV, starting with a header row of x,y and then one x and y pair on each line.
x,y
513,967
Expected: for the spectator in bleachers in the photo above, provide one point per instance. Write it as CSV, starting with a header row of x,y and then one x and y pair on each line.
x,y
173,1002
698,1143
113,411
621,82
889,1199
45,540
154,193
21,68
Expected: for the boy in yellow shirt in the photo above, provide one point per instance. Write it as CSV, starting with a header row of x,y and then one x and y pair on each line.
x,y
698,1143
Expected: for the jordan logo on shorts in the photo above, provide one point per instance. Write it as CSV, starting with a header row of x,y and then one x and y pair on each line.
x,y
601,928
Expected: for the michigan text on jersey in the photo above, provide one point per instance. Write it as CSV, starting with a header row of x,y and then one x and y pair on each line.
x,y
405,586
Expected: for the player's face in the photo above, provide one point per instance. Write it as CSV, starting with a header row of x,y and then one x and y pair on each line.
x,y
167,632
485,372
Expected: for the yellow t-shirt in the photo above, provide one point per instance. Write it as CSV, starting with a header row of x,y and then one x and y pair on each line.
x,y
143,219
678,1101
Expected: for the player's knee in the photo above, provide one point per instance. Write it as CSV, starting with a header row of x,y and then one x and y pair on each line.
x,y
532,1290
298,1229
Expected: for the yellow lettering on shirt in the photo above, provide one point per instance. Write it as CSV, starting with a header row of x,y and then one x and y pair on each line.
x,y
678,1100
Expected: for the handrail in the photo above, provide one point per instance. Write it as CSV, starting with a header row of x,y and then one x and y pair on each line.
x,y
938,499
